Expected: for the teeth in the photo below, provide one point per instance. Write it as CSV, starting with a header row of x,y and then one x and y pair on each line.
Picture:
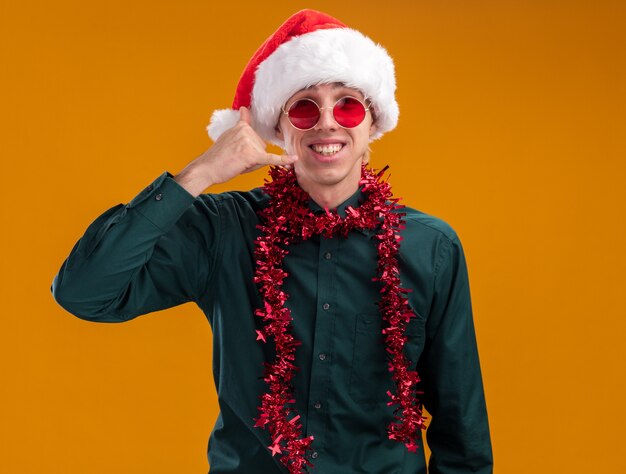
x,y
327,149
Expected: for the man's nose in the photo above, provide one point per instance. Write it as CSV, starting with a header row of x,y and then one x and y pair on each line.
x,y
327,119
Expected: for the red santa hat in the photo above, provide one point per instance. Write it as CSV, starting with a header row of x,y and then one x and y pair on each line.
x,y
310,48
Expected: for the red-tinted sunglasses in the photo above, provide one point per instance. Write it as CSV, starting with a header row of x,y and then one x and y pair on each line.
x,y
304,114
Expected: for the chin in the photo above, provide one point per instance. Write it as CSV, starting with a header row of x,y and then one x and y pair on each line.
x,y
329,179
330,176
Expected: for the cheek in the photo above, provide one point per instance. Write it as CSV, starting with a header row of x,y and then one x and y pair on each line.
x,y
293,141
289,145
365,133
288,137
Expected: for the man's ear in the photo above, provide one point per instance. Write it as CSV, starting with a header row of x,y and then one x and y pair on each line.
x,y
373,129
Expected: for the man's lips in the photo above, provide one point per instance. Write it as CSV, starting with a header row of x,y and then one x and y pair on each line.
x,y
328,152
326,148
326,141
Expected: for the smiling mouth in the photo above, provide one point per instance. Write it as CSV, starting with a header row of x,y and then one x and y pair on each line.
x,y
327,149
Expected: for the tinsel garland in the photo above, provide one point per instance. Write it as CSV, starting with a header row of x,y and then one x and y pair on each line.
x,y
288,220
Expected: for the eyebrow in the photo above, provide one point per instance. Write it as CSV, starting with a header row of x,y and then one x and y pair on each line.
x,y
335,85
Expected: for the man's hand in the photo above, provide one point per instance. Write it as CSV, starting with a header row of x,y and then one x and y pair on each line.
x,y
238,150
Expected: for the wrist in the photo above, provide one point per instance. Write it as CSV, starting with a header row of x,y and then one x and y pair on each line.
x,y
193,181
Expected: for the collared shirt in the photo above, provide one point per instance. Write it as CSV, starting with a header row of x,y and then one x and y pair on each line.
x,y
165,248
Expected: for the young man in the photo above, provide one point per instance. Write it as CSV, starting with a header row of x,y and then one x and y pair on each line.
x,y
336,313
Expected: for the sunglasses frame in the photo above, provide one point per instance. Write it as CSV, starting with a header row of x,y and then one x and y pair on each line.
x,y
286,112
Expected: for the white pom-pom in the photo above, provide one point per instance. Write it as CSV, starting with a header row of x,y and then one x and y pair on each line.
x,y
222,120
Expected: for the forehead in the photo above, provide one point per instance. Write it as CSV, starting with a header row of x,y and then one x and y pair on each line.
x,y
333,88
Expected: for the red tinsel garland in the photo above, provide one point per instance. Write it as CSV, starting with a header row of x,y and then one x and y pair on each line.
x,y
287,220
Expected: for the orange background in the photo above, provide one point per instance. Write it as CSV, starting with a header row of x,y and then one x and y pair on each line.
x,y
511,129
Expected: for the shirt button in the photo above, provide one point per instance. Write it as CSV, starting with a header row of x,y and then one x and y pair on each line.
x,y
149,188
318,405
158,197
328,255
322,356
314,454
326,306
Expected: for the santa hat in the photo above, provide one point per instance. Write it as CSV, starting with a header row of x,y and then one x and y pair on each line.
x,y
310,48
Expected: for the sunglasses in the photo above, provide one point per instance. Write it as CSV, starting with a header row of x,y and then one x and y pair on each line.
x,y
304,114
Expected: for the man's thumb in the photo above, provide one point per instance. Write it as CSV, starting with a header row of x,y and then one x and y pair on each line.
x,y
244,114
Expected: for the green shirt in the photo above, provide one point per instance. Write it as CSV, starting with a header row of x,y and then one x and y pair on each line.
x,y
165,248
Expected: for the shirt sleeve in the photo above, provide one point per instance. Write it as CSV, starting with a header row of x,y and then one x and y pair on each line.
x,y
139,257
458,432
